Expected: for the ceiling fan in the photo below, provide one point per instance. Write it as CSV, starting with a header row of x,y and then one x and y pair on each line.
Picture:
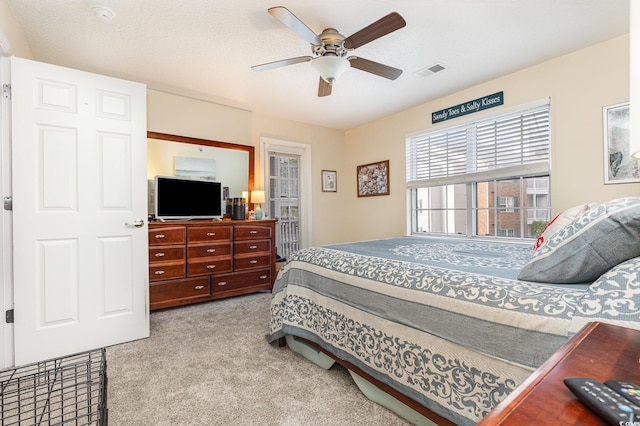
x,y
330,48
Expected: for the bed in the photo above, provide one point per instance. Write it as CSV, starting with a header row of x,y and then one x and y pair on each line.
x,y
449,323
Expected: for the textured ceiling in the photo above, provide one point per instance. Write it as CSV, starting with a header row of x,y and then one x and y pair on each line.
x,y
205,48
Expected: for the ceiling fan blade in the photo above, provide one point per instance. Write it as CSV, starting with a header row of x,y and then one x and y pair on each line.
x,y
290,20
281,63
375,68
324,88
381,27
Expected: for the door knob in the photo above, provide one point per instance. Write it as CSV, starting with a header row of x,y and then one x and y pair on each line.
x,y
138,223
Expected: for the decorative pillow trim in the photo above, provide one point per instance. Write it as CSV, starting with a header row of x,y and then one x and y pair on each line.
x,y
560,221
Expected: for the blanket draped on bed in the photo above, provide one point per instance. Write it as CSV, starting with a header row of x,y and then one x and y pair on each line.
x,y
444,321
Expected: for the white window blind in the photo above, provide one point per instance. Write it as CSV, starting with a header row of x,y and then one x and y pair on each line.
x,y
514,144
513,141
438,155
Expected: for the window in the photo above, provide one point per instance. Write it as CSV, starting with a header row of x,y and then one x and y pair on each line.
x,y
489,177
507,204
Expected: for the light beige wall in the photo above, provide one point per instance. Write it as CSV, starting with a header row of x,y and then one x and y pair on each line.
x,y
327,151
178,115
579,85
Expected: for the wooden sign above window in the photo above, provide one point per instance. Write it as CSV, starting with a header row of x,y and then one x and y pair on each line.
x,y
470,107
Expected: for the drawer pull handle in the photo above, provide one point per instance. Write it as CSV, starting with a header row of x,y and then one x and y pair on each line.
x,y
253,261
211,234
211,266
211,250
199,287
253,232
159,236
159,254
253,247
221,283
159,272
262,277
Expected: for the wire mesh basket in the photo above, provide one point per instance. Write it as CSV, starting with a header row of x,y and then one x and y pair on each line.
x,y
71,390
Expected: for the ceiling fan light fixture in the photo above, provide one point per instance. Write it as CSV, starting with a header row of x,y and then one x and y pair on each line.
x,y
330,68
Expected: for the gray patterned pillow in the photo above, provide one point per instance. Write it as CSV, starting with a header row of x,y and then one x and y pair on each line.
x,y
614,298
589,245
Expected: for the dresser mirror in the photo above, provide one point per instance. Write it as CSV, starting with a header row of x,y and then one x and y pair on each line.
x,y
229,163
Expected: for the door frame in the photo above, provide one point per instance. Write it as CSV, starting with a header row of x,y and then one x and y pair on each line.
x,y
304,151
6,255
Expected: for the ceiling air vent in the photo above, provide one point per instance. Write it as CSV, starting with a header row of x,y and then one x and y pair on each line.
x,y
425,72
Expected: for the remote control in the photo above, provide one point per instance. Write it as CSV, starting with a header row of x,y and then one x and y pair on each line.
x,y
630,391
602,400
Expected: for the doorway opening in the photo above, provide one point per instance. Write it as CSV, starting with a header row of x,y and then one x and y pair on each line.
x,y
286,171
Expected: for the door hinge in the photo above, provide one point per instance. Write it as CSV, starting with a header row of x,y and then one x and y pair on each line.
x,y
6,91
8,316
8,203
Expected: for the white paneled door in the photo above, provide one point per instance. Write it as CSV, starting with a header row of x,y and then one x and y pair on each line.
x,y
79,211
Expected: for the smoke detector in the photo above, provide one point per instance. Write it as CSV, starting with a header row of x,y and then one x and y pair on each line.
x,y
103,13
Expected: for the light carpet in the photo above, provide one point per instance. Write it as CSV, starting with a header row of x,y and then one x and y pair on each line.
x,y
210,364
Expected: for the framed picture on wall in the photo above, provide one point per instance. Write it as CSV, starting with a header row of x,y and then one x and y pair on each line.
x,y
619,166
329,181
373,179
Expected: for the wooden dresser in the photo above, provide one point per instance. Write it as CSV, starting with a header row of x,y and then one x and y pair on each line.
x,y
196,261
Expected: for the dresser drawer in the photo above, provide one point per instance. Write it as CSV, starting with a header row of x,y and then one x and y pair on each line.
x,y
241,280
249,261
251,246
179,289
198,234
209,250
252,232
202,260
168,235
166,270
166,253
209,266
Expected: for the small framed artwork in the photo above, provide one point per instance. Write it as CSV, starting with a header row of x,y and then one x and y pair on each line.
x,y
329,181
373,179
619,166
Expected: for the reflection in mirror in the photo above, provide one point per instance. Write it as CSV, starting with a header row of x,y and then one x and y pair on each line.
x,y
230,164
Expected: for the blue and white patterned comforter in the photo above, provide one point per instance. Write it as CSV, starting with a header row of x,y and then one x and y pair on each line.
x,y
444,321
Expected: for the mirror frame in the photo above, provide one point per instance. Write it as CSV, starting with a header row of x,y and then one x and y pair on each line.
x,y
217,144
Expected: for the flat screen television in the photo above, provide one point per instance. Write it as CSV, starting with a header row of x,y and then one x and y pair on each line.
x,y
185,198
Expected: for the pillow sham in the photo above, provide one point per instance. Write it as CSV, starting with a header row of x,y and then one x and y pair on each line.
x,y
560,221
589,245
614,298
